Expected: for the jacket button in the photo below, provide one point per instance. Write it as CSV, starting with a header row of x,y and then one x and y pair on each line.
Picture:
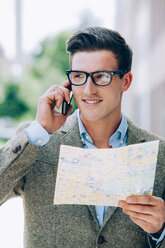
x,y
101,240
17,148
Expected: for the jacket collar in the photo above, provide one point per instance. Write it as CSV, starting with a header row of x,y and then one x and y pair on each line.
x,y
71,126
69,133
134,134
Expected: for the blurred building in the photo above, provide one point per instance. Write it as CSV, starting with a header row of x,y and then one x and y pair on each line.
x,y
142,23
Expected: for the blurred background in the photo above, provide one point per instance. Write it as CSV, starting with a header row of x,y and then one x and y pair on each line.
x,y
33,57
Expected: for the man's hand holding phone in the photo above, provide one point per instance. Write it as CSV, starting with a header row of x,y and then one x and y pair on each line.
x,y
47,116
65,104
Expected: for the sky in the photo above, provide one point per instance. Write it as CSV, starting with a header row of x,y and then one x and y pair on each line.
x,y
46,18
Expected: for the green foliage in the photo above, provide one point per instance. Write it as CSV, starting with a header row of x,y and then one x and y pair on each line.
x,y
12,105
2,142
54,51
46,68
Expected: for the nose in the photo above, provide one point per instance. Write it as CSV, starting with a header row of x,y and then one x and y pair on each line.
x,y
90,87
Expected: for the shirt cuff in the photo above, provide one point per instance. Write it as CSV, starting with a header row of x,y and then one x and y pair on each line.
x,y
37,135
160,238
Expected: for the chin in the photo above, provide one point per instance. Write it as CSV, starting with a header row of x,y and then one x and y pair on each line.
x,y
91,117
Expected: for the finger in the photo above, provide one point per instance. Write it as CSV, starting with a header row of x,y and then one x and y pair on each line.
x,y
53,99
156,212
149,227
52,88
65,84
150,218
61,90
145,199
58,92
56,99
66,94
155,221
145,209
59,102
146,217
146,226
70,110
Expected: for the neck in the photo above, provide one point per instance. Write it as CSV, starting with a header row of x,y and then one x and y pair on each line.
x,y
101,131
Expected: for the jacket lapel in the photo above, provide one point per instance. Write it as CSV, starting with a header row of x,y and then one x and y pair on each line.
x,y
70,134
108,215
134,134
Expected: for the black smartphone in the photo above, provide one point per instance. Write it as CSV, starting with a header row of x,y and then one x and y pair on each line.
x,y
65,104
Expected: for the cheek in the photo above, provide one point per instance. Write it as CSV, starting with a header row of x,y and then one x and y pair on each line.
x,y
117,90
76,94
113,92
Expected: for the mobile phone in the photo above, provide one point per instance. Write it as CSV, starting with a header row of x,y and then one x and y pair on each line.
x,y
65,104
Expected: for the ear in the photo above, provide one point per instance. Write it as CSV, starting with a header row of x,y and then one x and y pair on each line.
x,y
127,79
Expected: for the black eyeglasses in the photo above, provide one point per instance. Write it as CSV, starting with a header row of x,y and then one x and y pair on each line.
x,y
100,78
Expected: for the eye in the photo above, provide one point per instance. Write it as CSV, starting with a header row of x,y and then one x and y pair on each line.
x,y
102,75
77,75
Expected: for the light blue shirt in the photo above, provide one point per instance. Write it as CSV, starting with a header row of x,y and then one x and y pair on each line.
x,y
118,139
39,136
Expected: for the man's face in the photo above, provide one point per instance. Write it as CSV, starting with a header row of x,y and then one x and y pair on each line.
x,y
97,103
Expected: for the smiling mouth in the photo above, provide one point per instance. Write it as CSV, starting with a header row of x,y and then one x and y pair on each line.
x,y
91,101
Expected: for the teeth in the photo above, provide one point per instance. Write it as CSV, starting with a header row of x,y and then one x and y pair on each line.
x,y
92,101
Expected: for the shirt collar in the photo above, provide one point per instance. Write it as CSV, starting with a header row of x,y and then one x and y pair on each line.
x,y
80,124
118,137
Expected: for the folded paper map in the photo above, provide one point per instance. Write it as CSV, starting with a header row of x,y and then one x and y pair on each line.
x,y
105,176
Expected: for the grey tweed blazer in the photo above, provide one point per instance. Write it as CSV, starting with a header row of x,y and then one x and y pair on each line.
x,y
30,172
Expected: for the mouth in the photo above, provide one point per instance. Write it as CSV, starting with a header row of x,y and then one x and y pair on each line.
x,y
91,101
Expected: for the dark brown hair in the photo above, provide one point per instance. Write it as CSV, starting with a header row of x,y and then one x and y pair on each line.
x,y
99,38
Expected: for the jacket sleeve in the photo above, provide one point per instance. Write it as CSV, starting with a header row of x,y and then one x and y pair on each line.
x,y
16,157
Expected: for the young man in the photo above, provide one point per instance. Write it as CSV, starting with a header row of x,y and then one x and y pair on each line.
x,y
100,73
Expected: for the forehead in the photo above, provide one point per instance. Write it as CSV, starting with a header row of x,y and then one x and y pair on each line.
x,y
94,60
